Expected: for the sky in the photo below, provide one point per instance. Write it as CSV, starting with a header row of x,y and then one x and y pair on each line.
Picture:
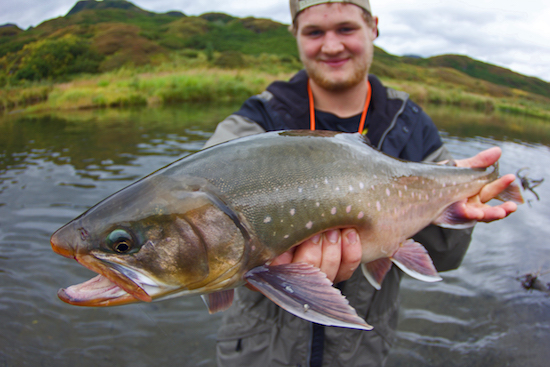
x,y
511,34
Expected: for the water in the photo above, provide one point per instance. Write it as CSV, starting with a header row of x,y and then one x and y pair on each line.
x,y
52,168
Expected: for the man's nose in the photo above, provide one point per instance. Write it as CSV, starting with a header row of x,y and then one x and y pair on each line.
x,y
332,44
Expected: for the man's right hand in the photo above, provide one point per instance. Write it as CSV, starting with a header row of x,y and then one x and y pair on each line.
x,y
337,252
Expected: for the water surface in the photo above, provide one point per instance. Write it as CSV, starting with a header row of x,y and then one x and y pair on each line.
x,y
54,167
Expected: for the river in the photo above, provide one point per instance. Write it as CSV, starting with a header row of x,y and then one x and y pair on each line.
x,y
54,167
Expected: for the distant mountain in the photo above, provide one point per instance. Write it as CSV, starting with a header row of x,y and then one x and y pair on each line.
x,y
106,4
108,34
484,71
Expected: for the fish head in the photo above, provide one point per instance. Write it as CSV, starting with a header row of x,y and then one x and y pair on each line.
x,y
157,238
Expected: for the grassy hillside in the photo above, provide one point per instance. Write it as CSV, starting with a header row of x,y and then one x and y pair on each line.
x,y
121,54
484,71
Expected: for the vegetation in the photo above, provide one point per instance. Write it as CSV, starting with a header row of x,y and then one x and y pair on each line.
x,y
112,53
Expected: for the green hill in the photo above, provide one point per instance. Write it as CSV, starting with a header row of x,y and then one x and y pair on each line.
x,y
484,71
100,36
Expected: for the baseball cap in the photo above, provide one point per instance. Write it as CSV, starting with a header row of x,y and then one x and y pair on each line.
x,y
297,6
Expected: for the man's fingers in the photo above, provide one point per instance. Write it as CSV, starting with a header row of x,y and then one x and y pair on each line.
x,y
351,254
331,253
310,251
481,160
336,252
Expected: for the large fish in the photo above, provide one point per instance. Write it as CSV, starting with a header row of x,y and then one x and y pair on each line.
x,y
214,220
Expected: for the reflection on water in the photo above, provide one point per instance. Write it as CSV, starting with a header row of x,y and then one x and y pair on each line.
x,y
52,168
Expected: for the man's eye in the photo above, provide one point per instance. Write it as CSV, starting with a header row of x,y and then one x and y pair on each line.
x,y
315,33
346,30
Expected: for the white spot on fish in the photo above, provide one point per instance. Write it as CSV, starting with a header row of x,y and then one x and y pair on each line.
x,y
309,225
267,219
360,215
286,236
326,181
337,188
300,190
333,211
289,289
361,185
306,307
388,192
350,188
406,188
375,176
348,209
378,206
372,187
400,194
292,211
317,204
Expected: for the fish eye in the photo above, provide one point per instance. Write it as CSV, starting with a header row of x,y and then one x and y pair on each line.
x,y
120,241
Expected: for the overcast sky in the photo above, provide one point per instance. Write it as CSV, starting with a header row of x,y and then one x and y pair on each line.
x,y
512,34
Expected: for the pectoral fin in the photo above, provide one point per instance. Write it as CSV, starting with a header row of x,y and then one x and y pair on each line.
x,y
305,291
414,260
218,301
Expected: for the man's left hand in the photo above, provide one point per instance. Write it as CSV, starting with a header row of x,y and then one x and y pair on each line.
x,y
476,207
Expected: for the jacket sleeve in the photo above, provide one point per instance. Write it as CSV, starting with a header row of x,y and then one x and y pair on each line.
x,y
446,247
234,126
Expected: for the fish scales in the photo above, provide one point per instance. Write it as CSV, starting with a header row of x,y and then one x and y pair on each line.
x,y
212,221
290,191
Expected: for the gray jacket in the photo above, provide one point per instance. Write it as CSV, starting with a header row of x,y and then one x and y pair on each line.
x,y
256,332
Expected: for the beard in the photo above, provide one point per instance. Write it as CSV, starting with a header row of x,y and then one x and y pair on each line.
x,y
324,80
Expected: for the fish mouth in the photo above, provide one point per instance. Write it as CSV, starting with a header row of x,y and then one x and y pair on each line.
x,y
115,285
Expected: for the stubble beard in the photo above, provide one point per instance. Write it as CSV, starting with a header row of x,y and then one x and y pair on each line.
x,y
358,75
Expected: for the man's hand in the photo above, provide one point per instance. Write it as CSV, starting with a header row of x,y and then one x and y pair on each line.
x,y
476,207
336,252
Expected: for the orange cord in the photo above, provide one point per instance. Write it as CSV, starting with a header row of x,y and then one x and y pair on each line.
x,y
312,108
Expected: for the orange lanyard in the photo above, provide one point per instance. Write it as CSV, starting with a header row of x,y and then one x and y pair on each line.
x,y
363,115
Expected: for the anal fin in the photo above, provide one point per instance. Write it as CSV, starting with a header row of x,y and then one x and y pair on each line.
x,y
218,301
415,261
454,217
305,291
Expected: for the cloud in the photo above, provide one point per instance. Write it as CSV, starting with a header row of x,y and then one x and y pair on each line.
x,y
502,32
513,39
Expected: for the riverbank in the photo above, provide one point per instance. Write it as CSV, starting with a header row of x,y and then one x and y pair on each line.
x,y
172,83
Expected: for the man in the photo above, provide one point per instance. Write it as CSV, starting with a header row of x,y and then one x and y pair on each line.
x,y
335,42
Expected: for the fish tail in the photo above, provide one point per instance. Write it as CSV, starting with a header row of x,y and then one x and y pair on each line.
x,y
511,193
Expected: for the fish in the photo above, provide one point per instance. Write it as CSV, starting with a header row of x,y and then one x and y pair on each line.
x,y
214,220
